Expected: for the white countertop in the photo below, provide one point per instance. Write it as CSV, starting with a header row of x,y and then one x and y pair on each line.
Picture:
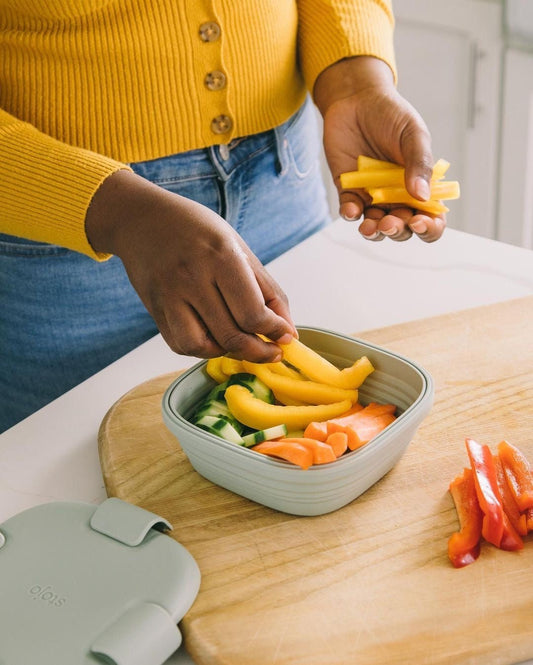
x,y
334,280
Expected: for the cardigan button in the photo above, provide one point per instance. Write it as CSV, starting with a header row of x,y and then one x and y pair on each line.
x,y
215,80
222,124
209,31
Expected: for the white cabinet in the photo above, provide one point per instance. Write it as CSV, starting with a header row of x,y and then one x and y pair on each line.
x,y
449,63
515,217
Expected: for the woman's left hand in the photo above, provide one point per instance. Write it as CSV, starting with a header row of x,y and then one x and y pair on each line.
x,y
365,115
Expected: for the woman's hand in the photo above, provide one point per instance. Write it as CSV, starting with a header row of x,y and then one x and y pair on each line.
x,y
365,115
207,292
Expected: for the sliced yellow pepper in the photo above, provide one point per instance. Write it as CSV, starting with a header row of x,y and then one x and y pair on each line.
x,y
214,369
384,175
255,413
311,392
317,368
231,366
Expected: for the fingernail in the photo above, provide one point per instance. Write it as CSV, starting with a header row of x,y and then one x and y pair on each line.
x,y
372,236
285,339
422,189
419,226
390,232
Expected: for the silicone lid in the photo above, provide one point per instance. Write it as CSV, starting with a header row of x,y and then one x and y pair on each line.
x,y
84,584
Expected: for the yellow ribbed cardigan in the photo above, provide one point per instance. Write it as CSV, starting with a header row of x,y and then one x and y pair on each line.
x,y
87,86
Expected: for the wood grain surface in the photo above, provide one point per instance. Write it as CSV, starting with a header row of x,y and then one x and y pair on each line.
x,y
369,584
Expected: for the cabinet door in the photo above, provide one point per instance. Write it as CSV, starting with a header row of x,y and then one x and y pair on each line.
x,y
448,56
515,218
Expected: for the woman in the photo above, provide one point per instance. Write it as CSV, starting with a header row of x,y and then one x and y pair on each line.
x,y
154,155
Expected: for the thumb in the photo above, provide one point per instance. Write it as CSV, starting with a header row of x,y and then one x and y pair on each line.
x,y
418,160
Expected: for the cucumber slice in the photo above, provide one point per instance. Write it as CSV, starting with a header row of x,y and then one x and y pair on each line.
x,y
264,435
254,385
220,427
213,407
217,392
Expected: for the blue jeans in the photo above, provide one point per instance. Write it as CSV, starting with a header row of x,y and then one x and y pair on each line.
x,y
64,316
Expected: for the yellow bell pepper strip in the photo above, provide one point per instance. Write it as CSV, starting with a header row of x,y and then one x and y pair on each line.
x,y
318,369
385,176
311,392
214,369
365,163
444,190
285,370
464,545
286,400
231,366
518,474
355,375
488,494
255,413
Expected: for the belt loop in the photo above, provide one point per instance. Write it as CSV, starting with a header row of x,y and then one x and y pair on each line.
x,y
282,145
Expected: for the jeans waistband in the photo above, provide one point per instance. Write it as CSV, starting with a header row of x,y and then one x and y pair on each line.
x,y
225,158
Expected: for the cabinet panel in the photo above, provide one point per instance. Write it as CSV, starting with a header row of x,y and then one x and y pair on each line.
x,y
449,62
515,218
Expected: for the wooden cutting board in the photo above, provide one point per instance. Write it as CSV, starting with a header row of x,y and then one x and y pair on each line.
x,y
370,584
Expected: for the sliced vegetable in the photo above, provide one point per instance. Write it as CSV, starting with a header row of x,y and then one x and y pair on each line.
x,y
220,427
488,494
518,474
510,507
284,369
214,369
464,545
322,453
291,452
385,183
217,393
311,392
256,413
318,369
385,175
231,366
338,442
318,431
364,425
218,409
253,384
261,435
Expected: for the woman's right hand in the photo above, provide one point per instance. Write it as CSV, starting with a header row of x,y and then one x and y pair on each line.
x,y
207,292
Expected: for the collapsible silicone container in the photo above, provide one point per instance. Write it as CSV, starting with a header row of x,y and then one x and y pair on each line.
x,y
322,488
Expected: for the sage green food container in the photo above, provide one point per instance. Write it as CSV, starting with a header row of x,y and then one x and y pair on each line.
x,y
322,488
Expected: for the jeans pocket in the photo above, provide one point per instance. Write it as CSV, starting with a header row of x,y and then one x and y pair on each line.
x,y
15,246
303,141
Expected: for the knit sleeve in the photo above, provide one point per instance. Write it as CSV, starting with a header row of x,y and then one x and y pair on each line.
x,y
330,30
47,186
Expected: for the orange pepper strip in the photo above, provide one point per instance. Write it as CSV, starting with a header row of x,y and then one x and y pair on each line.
x,y
518,473
322,452
464,545
339,442
517,519
487,491
291,452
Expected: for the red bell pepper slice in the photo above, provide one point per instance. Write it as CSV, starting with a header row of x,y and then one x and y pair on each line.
x,y
511,540
518,473
464,545
510,507
488,494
